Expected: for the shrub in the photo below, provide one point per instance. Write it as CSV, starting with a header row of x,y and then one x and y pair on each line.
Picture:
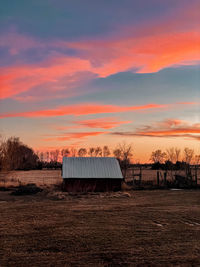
x,y
29,189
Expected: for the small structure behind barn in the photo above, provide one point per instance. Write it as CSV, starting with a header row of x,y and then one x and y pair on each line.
x,y
91,174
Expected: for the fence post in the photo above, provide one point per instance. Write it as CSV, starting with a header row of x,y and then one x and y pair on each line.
x,y
196,182
165,178
158,178
140,176
133,176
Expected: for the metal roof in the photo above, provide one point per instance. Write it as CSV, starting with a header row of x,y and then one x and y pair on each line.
x,y
91,167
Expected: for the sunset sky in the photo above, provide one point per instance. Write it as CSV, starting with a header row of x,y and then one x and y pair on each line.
x,y
98,72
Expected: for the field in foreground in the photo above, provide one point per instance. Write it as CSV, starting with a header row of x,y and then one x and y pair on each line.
x,y
141,228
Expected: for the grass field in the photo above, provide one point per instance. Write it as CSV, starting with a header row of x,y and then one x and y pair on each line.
x,y
39,177
50,177
139,228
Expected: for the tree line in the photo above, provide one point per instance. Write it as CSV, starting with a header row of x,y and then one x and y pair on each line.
x,y
174,158
14,155
56,155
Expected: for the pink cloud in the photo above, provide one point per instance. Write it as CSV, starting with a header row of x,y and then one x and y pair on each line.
x,y
18,79
171,40
103,123
16,42
72,136
167,128
145,53
148,48
92,108
83,109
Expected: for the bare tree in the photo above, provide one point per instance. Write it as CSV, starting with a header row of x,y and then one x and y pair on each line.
x,y
16,155
158,156
188,155
65,152
197,159
41,156
91,151
82,152
98,152
171,155
117,153
126,150
73,152
106,151
54,154
47,156
124,153
51,155
57,152
177,154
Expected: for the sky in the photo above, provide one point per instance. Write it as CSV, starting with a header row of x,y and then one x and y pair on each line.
x,y
87,73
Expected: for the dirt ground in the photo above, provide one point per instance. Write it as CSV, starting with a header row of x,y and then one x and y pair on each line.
x,y
135,228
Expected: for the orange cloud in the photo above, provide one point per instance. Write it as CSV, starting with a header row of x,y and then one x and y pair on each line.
x,y
17,79
82,109
104,123
149,48
167,128
71,136
147,54
90,108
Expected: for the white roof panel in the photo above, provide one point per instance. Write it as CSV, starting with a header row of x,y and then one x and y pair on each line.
x,y
91,167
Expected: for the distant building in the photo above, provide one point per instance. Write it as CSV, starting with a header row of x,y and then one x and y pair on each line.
x,y
86,174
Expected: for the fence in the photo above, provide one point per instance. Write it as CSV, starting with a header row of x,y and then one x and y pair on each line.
x,y
161,178
134,177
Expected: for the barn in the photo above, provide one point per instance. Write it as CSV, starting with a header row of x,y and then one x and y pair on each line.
x,y
91,174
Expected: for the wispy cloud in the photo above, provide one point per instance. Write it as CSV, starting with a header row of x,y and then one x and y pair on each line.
x,y
18,79
93,108
167,128
148,48
16,42
141,54
102,123
73,136
83,109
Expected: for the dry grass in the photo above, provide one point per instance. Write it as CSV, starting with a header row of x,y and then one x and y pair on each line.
x,y
39,177
151,175
141,228
51,177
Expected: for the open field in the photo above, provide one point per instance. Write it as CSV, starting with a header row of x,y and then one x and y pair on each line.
x,y
50,177
39,177
139,228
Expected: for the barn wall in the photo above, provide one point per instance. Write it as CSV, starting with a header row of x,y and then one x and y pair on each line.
x,y
91,185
